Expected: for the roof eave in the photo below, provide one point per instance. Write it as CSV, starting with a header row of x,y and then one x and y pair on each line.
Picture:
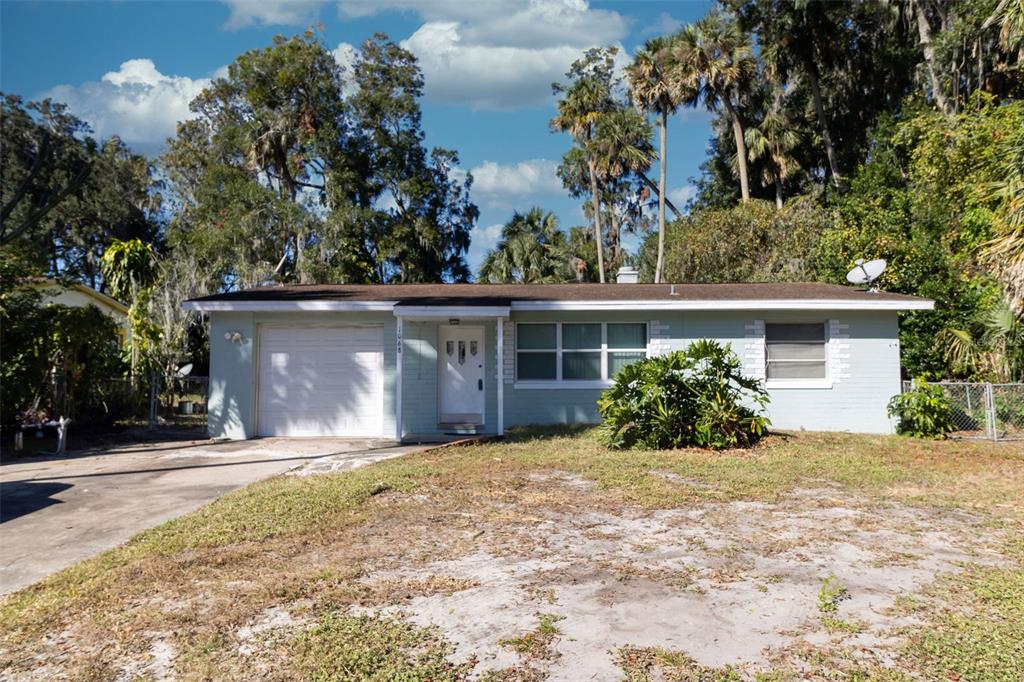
x,y
468,308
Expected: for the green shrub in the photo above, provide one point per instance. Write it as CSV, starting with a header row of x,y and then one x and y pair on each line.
x,y
924,412
691,397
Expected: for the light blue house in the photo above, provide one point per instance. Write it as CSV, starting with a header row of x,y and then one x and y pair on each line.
x,y
420,361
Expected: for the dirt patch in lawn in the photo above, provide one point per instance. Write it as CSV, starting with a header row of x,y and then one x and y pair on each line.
x,y
731,584
519,563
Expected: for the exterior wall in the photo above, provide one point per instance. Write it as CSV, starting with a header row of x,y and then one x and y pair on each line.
x,y
525,404
420,389
863,353
54,293
863,364
234,371
864,368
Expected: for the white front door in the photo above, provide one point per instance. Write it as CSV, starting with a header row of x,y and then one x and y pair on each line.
x,y
461,363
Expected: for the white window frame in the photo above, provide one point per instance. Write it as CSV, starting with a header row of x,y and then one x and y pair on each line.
x,y
558,382
820,382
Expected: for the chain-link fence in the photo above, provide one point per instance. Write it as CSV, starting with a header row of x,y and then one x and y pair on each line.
x,y
981,410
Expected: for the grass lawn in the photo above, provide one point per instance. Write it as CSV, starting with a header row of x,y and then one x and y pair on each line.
x,y
812,556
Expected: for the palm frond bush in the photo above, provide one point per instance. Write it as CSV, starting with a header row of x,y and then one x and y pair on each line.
x,y
693,397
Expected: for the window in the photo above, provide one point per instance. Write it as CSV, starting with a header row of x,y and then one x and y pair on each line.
x,y
577,351
795,351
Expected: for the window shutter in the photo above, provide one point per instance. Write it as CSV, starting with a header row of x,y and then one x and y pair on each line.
x,y
753,350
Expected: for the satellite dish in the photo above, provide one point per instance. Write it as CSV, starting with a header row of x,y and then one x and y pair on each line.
x,y
866,272
184,370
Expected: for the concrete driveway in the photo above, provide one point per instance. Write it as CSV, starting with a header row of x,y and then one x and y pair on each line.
x,y
57,511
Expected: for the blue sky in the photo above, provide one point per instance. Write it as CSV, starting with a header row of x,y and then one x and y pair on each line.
x,y
129,68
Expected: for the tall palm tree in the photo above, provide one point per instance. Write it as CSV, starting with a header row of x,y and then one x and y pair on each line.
x,y
579,109
622,147
532,250
803,37
715,63
653,91
774,141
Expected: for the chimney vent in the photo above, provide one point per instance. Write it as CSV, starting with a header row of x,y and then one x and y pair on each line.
x,y
627,275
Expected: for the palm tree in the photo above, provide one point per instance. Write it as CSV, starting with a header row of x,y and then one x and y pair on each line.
x,y
532,250
991,347
1006,249
622,147
713,60
774,141
803,37
654,92
579,109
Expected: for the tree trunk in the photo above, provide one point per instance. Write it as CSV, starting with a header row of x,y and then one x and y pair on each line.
x,y
741,148
598,236
778,193
819,110
663,122
924,31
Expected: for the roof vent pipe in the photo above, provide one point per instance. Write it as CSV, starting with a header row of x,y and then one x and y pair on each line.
x,y
627,275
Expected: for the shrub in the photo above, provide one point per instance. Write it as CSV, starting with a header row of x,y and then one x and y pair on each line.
x,y
923,412
695,396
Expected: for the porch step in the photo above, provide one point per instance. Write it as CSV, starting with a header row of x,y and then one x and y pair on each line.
x,y
453,429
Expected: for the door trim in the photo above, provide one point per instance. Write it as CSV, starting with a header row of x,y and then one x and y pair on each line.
x,y
440,373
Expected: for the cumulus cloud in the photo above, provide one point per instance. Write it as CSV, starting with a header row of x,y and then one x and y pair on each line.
x,y
526,178
681,196
136,102
497,54
270,12
482,240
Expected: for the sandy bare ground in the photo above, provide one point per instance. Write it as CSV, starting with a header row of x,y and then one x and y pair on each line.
x,y
537,573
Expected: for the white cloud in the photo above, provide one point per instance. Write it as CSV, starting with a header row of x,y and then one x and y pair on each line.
x,y
664,24
497,54
269,12
482,240
680,196
527,178
136,102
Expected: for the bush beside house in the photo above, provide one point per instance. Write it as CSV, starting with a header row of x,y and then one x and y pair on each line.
x,y
693,397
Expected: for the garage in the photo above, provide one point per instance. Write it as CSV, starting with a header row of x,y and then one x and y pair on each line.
x,y
320,381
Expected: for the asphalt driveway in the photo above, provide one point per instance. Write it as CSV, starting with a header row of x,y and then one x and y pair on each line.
x,y
57,511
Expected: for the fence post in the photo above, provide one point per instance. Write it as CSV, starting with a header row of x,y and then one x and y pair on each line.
x,y
990,413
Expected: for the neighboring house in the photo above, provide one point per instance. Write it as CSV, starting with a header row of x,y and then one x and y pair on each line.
x,y
422,360
75,295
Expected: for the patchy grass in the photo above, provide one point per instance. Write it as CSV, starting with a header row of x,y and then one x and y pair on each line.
x,y
320,546
976,629
343,647
653,663
537,642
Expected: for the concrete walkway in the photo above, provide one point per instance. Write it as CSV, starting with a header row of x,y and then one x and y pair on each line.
x,y
57,511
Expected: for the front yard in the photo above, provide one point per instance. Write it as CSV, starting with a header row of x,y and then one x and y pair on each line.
x,y
812,556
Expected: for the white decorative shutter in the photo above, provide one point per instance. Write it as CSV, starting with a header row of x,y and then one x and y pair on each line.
x,y
754,360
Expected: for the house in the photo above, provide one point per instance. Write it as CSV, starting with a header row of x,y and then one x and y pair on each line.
x,y
416,361
77,295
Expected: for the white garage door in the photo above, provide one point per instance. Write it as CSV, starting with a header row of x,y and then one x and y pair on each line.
x,y
321,381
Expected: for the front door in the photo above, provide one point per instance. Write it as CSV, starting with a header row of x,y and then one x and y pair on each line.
x,y
461,362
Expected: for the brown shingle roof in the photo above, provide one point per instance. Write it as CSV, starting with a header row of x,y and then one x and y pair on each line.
x,y
504,294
